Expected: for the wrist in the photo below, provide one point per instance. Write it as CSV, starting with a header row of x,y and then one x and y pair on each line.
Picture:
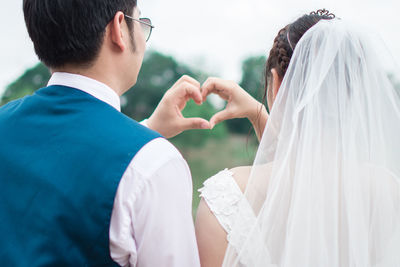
x,y
256,113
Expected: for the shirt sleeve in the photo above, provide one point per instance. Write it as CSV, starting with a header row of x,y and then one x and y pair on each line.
x,y
151,223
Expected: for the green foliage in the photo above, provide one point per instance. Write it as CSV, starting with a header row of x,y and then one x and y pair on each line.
x,y
197,138
253,79
27,84
158,73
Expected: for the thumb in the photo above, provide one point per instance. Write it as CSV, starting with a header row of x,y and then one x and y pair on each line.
x,y
195,123
219,117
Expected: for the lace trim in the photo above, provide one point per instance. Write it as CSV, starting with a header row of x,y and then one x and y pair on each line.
x,y
231,208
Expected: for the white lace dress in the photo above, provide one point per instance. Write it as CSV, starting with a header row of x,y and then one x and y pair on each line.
x,y
224,198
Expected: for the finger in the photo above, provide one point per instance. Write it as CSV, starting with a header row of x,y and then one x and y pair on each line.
x,y
207,87
187,78
218,86
186,90
194,123
219,117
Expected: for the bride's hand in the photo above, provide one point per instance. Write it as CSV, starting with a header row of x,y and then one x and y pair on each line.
x,y
167,118
240,104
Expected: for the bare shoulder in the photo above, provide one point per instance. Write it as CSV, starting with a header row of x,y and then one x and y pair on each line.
x,y
261,174
241,175
211,237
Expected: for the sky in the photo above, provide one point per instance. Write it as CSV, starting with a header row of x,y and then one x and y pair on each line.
x,y
212,35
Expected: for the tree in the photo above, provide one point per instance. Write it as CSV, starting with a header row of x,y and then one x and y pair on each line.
x,y
253,83
27,84
158,73
253,79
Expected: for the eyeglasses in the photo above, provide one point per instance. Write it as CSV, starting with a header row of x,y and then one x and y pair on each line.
x,y
147,27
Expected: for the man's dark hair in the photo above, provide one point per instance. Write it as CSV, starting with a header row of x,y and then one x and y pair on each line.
x,y
71,31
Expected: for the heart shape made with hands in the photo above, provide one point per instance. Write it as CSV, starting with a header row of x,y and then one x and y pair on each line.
x,y
238,101
169,120
188,88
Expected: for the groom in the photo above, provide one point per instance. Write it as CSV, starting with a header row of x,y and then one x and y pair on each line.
x,y
81,183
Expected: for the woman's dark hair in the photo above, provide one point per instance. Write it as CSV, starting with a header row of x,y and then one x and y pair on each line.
x,y
286,41
71,31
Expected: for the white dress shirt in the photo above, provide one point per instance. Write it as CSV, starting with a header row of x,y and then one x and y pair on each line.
x,y
151,222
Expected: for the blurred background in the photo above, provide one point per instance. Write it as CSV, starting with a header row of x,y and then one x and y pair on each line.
x,y
225,38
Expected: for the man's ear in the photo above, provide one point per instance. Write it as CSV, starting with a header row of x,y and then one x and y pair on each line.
x,y
276,82
116,31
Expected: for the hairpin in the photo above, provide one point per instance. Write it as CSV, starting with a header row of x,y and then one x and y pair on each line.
x,y
323,12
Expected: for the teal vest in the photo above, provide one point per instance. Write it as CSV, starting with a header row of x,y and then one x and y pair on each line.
x,y
62,155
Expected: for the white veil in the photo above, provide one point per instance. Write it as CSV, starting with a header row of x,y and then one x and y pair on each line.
x,y
325,184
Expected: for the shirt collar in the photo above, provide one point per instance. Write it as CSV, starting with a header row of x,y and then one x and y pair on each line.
x,y
88,85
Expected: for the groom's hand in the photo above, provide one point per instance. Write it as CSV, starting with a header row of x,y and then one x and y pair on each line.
x,y
167,118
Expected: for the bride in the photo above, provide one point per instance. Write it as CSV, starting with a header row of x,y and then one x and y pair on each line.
x,y
324,187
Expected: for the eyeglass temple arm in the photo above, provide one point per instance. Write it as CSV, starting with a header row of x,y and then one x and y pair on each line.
x,y
150,25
